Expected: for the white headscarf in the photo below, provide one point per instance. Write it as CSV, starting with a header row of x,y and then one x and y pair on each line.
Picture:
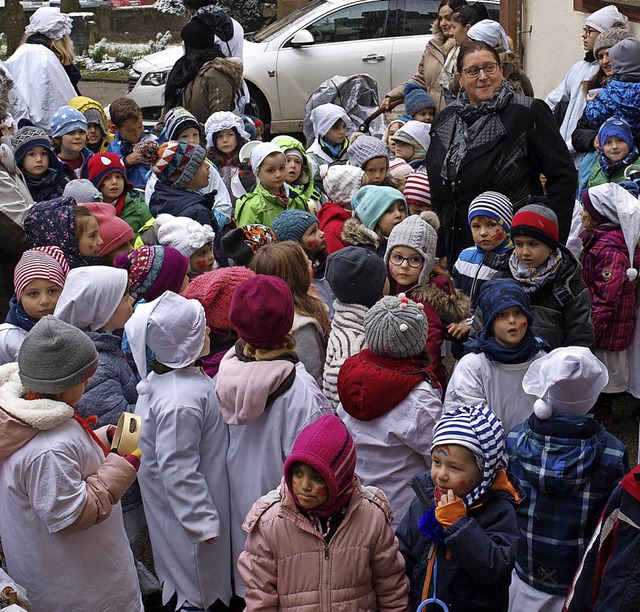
x,y
323,118
51,22
490,32
418,130
260,152
224,120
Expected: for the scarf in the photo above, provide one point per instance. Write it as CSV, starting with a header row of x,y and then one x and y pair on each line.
x,y
18,316
486,343
46,187
533,279
337,151
610,168
470,120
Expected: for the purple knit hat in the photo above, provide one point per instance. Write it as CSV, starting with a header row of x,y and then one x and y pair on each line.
x,y
327,446
154,270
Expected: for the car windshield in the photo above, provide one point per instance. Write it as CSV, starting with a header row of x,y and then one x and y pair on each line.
x,y
274,28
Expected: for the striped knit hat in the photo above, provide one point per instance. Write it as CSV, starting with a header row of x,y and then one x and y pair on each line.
x,y
538,221
493,205
417,190
41,263
177,163
480,430
177,120
327,446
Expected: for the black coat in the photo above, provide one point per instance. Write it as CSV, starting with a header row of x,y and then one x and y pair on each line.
x,y
524,143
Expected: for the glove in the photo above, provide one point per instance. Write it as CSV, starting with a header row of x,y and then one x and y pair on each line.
x,y
134,458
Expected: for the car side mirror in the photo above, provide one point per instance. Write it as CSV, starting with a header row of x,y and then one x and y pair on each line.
x,y
302,38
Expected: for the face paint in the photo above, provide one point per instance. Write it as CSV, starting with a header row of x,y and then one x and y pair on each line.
x,y
201,264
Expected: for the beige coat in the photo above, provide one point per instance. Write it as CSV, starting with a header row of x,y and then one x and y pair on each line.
x,y
286,564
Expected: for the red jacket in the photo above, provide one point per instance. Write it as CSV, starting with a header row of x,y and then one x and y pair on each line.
x,y
332,217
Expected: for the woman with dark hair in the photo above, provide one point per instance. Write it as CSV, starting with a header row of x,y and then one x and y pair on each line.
x,y
492,139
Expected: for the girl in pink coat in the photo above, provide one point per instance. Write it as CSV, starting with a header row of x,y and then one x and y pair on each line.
x,y
322,541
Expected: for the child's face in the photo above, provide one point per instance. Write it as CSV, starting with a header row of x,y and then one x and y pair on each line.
x,y
72,396
425,115
121,314
40,297
337,133
112,187
376,170
90,242
190,135
403,150
226,142
453,468
126,248
94,134
615,148
394,215
393,128
206,348
313,241
405,265
487,232
293,169
131,130
201,178
272,172
202,260
71,144
36,162
309,486
586,219
509,327
530,252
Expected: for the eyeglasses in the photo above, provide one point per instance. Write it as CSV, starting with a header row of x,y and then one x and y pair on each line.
x,y
473,72
415,261
589,31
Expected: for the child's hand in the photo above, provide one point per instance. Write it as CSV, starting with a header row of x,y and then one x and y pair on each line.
x,y
458,331
134,458
133,158
448,498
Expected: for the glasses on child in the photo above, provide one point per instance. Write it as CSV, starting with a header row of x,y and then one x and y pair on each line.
x,y
414,261
589,31
473,72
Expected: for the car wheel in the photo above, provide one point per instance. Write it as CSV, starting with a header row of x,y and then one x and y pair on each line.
x,y
258,105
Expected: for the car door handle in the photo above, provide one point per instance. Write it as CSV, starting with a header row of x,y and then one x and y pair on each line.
x,y
372,57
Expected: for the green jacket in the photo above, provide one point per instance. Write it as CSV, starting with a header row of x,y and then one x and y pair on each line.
x,y
135,212
306,188
260,206
598,177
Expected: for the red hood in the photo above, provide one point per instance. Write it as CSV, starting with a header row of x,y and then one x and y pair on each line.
x,y
331,212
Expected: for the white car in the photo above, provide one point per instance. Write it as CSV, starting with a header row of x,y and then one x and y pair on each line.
x,y
285,62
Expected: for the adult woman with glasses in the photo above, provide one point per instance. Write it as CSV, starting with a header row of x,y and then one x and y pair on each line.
x,y
492,139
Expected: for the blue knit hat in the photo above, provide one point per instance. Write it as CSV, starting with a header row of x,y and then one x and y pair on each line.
x,y
372,201
67,119
292,224
498,295
615,126
416,99
493,205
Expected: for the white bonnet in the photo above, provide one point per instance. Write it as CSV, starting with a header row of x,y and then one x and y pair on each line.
x,y
51,22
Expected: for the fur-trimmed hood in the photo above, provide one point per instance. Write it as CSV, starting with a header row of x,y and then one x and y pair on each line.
x,y
354,233
6,84
451,307
232,67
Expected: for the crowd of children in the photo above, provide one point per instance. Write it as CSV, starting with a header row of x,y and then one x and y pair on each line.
x,y
332,417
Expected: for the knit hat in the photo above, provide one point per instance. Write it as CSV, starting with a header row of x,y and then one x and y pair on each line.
x,y
396,327
262,310
67,119
365,148
341,182
82,190
154,270
610,37
242,242
493,205
114,231
41,263
416,99
101,165
224,120
29,137
625,59
420,233
615,126
537,221
372,201
291,224
490,32
328,447
356,275
480,430
497,295
605,18
182,233
417,190
260,152
177,163
94,116
177,120
400,168
55,357
50,22
567,382
197,33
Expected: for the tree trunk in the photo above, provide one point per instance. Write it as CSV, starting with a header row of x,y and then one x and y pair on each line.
x,y
14,22
69,6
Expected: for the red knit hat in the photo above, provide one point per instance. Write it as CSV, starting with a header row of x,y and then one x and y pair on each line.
x,y
417,190
538,221
327,446
46,263
114,231
101,165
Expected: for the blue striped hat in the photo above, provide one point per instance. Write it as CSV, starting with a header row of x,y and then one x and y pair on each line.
x,y
493,205
480,430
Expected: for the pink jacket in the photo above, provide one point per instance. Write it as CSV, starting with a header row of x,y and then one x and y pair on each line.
x,y
286,564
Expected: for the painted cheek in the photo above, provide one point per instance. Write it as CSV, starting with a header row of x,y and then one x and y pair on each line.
x,y
522,325
498,235
201,264
322,492
313,243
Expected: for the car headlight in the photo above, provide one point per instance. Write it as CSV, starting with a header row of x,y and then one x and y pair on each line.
x,y
155,79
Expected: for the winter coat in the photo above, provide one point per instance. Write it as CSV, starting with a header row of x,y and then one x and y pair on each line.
x,y
260,206
265,404
82,172
288,566
83,104
478,554
318,156
354,233
567,471
306,190
214,88
11,339
311,345
473,268
136,174
514,147
332,217
598,177
60,501
182,203
618,98
605,260
135,212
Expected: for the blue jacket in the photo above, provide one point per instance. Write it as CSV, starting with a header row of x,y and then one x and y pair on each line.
x,y
182,203
567,470
474,267
69,173
617,98
481,548
136,174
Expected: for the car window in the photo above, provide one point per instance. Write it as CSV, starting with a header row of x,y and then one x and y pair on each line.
x,y
418,17
274,28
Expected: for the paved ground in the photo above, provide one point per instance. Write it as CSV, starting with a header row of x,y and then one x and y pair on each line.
x,y
102,91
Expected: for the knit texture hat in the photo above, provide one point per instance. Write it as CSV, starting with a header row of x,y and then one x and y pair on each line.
x,y
197,33
567,382
497,295
537,221
416,99
365,148
41,263
615,126
242,242
55,357
67,119
341,182
417,190
182,233
490,32
82,191
610,37
262,310
101,165
224,120
372,201
493,205
292,224
396,327
177,120
114,231
420,233
154,270
29,137
177,163
356,275
328,447
214,290
400,168
51,22
605,18
480,430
